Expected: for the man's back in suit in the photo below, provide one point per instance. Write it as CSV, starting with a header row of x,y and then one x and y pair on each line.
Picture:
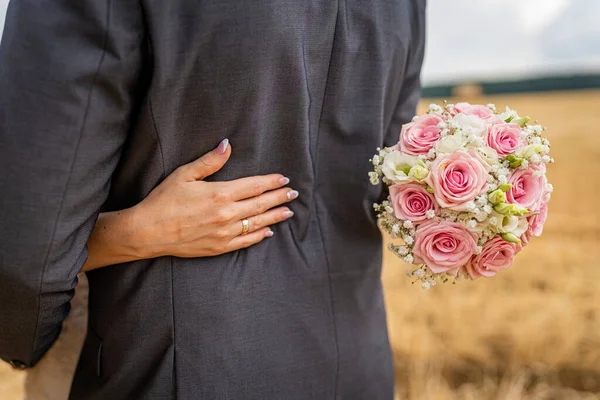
x,y
119,96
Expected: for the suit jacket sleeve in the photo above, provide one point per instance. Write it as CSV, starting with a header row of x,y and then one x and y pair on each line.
x,y
69,70
411,86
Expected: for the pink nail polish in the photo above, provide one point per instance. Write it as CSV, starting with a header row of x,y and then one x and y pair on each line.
x,y
269,234
292,194
222,148
288,214
284,181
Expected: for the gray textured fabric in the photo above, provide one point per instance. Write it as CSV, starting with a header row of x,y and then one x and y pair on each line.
x,y
102,99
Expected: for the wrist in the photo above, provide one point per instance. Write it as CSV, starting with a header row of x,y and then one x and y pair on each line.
x,y
143,239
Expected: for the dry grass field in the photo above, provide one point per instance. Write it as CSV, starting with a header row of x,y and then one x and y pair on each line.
x,y
534,331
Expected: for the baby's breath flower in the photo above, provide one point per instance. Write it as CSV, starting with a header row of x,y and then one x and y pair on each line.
x,y
431,153
408,240
407,224
524,164
493,220
432,282
416,117
426,285
472,224
502,179
376,159
430,214
396,228
535,159
480,201
402,250
408,259
420,273
434,108
491,106
546,159
481,216
374,178
487,209
536,129
479,250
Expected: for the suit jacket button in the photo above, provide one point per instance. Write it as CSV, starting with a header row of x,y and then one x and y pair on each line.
x,y
17,364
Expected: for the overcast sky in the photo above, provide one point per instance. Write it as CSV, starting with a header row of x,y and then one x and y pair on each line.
x,y
502,39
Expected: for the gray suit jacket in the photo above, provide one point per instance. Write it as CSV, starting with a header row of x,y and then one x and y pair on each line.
x,y
101,99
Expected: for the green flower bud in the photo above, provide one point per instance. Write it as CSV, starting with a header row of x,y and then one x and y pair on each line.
x,y
532,149
505,187
497,196
510,237
514,160
510,209
418,172
521,121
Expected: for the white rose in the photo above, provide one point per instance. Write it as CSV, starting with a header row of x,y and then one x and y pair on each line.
x,y
450,143
509,224
487,154
521,228
396,167
470,124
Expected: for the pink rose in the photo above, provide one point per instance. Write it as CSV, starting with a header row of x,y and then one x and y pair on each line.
x,y
527,189
444,246
456,179
536,224
411,201
505,138
537,221
497,254
419,136
477,110
526,237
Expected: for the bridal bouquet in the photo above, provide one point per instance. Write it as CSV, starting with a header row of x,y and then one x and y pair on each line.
x,y
467,190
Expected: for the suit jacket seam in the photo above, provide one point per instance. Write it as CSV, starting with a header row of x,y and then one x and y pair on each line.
x,y
317,208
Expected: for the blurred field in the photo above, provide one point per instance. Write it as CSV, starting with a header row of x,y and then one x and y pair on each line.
x,y
534,331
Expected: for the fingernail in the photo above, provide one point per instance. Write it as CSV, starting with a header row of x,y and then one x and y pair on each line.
x,y
284,181
269,233
288,214
222,148
292,194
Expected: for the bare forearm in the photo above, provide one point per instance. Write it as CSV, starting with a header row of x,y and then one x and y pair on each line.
x,y
112,240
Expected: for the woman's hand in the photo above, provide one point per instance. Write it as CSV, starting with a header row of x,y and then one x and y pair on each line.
x,y
187,217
